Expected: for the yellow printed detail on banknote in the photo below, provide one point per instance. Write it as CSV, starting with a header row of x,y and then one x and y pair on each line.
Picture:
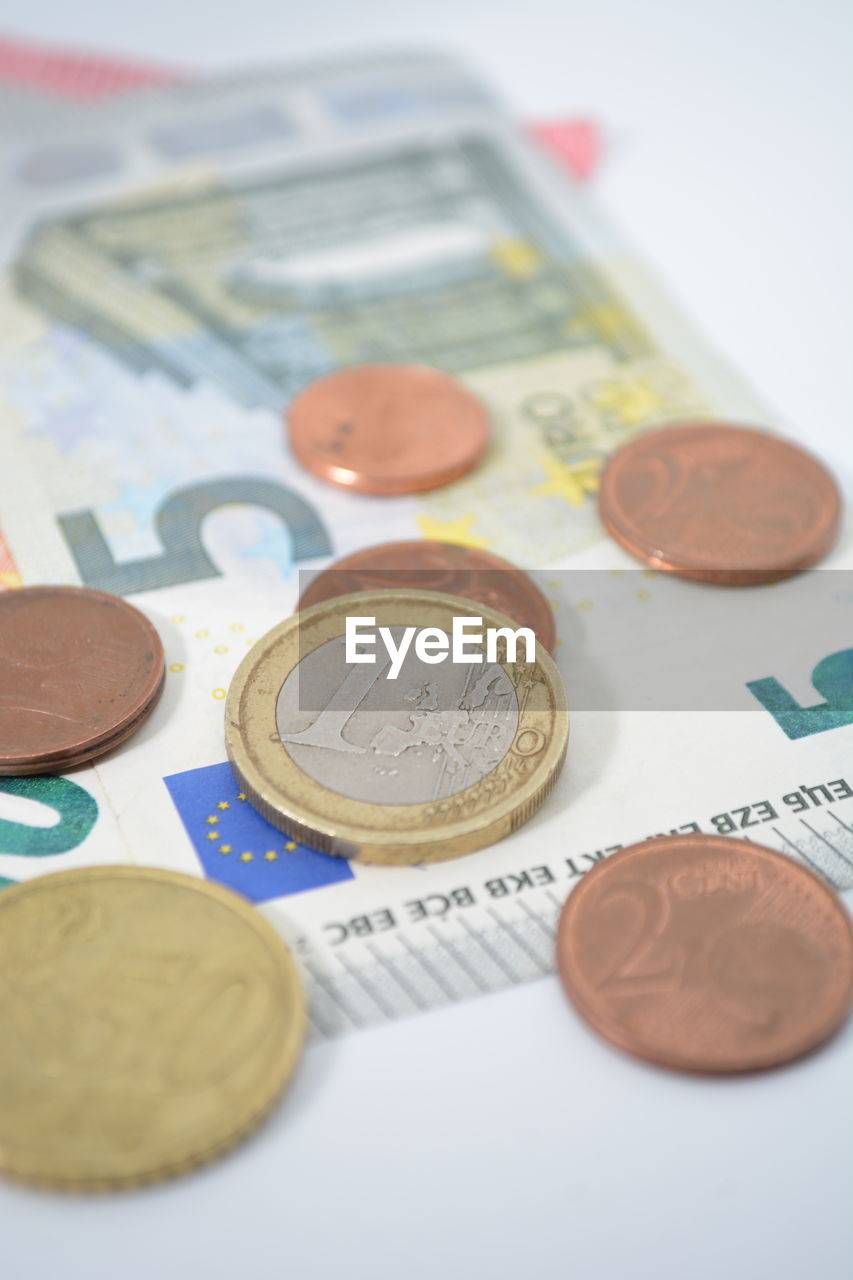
x,y
555,420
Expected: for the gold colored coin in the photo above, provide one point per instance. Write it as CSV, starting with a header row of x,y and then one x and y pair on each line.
x,y
441,760
148,1021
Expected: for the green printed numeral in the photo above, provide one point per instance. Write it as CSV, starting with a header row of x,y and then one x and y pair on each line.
x,y
77,810
178,522
833,679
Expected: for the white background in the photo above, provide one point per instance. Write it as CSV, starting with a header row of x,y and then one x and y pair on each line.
x,y
500,1138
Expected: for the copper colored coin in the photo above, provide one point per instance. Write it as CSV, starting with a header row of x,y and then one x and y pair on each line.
x,y
439,566
705,953
388,428
80,671
720,503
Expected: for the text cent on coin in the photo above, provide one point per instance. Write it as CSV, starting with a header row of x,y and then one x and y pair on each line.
x,y
80,671
438,760
720,503
388,428
428,565
706,953
148,1021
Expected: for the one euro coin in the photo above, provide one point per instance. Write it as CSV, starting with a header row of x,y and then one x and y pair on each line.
x,y
412,756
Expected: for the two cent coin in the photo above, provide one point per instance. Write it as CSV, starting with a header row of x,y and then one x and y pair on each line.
x,y
439,566
707,953
720,503
80,671
148,1021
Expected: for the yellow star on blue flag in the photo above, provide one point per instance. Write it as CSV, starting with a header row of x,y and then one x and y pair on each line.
x,y
239,848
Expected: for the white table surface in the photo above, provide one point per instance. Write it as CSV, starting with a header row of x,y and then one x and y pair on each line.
x,y
500,1138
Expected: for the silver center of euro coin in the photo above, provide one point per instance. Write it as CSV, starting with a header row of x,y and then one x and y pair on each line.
x,y
433,731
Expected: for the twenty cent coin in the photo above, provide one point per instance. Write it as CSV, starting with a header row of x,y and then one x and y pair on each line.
x,y
720,503
148,1020
439,566
79,672
706,953
441,759
388,428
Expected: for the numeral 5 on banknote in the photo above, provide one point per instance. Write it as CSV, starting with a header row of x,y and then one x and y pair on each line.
x,y
832,677
178,521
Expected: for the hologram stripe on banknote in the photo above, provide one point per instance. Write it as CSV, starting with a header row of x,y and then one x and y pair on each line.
x,y
133,462
73,73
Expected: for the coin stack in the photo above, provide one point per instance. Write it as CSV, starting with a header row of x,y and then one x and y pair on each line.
x,y
109,658
698,953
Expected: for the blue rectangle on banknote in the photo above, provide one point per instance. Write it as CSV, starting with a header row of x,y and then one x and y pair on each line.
x,y
239,848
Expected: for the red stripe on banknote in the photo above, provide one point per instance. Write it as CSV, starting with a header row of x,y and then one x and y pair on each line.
x,y
9,576
574,143
78,75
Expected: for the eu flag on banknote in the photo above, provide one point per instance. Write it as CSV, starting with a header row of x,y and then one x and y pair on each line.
x,y
239,848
